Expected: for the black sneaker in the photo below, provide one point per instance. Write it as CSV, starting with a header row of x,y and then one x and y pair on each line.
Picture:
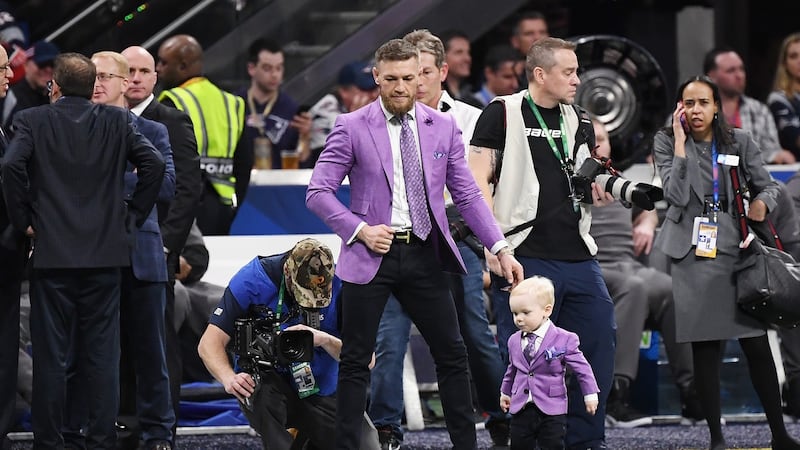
x,y
619,412
691,410
623,415
499,432
388,438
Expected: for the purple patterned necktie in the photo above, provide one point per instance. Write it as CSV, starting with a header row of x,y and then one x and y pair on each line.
x,y
412,174
530,349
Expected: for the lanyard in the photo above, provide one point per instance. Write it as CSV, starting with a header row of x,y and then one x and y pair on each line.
x,y
279,308
563,157
714,178
267,108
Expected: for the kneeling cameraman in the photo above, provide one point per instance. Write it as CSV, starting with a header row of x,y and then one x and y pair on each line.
x,y
293,290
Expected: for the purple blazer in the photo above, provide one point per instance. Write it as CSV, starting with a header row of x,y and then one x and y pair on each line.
x,y
358,147
544,376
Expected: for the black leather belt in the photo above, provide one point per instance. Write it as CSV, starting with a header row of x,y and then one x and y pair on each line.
x,y
406,237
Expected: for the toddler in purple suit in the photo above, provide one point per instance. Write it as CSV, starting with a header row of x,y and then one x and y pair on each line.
x,y
533,388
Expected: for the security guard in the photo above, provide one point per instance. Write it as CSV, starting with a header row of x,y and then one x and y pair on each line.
x,y
218,119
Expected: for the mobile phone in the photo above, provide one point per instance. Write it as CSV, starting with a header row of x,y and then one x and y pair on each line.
x,y
683,123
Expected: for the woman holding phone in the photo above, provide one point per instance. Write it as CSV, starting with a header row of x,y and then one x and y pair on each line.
x,y
701,236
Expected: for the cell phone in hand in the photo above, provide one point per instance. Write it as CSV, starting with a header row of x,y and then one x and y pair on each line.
x,y
684,124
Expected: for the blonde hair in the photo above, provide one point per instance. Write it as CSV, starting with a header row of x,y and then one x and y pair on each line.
x,y
783,79
538,288
119,60
427,42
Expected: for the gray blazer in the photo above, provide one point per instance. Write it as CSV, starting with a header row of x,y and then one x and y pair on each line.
x,y
683,189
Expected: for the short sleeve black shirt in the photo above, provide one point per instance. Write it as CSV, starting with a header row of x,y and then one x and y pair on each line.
x,y
555,235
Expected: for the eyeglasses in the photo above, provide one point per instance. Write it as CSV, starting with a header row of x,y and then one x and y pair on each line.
x,y
49,86
108,76
5,67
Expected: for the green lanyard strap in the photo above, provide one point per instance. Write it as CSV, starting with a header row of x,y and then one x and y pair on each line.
x,y
279,308
562,156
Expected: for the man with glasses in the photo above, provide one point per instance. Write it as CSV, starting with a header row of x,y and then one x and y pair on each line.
x,y
32,90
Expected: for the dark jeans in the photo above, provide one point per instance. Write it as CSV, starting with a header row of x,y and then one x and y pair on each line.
x,y
87,299
386,378
412,273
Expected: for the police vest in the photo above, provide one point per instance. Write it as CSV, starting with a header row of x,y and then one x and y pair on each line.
x,y
218,121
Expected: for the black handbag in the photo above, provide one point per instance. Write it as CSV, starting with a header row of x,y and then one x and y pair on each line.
x,y
767,278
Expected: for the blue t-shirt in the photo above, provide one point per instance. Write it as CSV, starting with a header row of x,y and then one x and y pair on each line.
x,y
258,283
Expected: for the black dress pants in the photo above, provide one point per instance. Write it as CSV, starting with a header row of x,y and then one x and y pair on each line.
x,y
87,299
412,273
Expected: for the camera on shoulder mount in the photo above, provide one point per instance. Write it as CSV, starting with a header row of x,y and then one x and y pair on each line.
x,y
261,345
600,171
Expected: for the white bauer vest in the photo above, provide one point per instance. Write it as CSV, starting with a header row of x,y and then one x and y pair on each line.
x,y
516,194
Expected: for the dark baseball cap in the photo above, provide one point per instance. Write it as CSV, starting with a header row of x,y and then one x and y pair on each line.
x,y
42,52
358,74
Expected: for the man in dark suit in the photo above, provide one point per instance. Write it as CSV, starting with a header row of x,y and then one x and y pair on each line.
x,y
63,182
176,217
143,377
12,256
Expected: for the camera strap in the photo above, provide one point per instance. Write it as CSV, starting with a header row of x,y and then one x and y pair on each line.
x,y
534,221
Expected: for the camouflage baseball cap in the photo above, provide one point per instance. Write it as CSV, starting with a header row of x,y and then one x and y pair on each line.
x,y
309,273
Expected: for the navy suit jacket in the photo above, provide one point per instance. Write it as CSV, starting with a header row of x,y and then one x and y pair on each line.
x,y
148,261
63,174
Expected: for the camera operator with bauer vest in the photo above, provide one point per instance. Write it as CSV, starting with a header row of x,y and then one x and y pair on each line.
x,y
529,147
271,311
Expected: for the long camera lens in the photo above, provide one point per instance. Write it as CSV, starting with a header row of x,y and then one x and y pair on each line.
x,y
642,195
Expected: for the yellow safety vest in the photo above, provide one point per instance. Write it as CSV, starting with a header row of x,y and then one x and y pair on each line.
x,y
218,121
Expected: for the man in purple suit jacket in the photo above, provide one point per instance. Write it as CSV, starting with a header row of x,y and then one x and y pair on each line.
x,y
387,149
533,388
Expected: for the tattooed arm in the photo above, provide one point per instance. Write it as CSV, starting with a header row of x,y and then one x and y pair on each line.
x,y
482,162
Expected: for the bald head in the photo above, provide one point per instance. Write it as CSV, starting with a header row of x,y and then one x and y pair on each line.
x,y
180,58
142,75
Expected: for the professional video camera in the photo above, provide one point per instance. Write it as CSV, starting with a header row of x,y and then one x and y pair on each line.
x,y
260,344
600,171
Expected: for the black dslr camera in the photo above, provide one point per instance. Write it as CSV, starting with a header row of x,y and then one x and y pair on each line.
x,y
260,344
601,172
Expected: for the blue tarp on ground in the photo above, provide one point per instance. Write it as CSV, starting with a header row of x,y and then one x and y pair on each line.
x,y
224,412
